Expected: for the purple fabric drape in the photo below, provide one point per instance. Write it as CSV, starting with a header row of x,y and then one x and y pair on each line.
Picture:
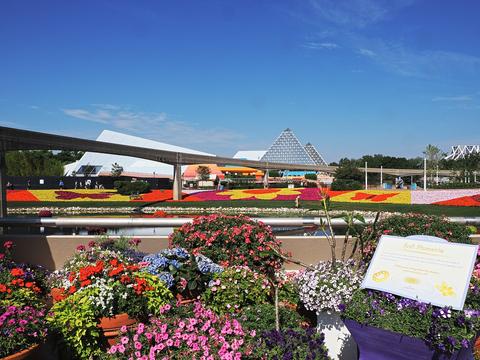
x,y
379,344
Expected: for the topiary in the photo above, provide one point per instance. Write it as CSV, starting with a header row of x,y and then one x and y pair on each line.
x,y
231,240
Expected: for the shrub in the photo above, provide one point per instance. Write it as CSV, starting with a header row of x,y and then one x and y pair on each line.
x,y
417,224
327,288
130,188
343,184
231,240
311,177
185,333
236,288
455,185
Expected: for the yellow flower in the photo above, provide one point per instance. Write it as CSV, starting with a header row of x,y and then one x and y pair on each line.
x,y
445,289
260,194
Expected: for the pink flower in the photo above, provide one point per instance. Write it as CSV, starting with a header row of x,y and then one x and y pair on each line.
x,y
124,340
169,342
123,329
138,345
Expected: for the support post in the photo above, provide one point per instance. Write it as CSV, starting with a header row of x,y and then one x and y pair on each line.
x,y
3,189
366,176
381,176
437,180
177,182
265,179
425,174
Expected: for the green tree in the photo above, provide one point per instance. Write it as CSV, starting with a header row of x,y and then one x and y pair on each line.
x,y
203,172
117,170
434,155
348,170
33,163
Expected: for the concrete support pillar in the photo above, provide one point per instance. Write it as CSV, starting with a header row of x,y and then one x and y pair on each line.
x,y
177,182
3,189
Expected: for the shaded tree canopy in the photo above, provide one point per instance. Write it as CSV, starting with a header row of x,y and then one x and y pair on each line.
x,y
34,163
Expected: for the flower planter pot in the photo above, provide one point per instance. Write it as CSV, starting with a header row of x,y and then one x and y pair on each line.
x,y
111,326
379,344
24,354
339,342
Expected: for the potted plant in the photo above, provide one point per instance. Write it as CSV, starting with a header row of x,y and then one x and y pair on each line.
x,y
323,290
22,307
101,291
22,329
387,326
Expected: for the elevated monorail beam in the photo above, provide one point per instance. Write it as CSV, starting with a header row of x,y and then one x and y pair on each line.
x,y
176,222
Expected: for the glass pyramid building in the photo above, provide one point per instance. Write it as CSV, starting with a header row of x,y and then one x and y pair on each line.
x,y
288,149
314,155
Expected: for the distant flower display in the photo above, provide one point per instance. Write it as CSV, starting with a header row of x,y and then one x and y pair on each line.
x,y
450,197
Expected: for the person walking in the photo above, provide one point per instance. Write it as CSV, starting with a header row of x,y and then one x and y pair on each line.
x,y
29,184
61,184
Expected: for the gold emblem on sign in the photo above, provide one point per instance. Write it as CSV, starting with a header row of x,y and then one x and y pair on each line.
x,y
445,289
381,276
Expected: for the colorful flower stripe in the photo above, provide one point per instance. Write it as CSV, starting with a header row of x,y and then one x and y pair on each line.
x,y
20,195
460,197
375,196
79,195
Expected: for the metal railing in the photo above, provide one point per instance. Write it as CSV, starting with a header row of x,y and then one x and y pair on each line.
x,y
176,222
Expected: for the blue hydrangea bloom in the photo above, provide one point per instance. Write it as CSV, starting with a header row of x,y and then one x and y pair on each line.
x,y
167,278
206,265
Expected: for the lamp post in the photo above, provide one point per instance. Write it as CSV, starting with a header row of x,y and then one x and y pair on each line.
x,y
381,176
425,174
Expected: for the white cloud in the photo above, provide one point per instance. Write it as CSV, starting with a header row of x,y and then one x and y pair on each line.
x,y
318,46
155,125
356,13
367,53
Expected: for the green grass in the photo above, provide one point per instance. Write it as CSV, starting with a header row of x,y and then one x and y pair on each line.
x,y
314,205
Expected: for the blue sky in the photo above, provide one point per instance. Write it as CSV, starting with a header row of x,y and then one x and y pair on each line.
x,y
352,77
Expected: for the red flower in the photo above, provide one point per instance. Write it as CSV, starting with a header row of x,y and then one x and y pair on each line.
x,y
114,262
85,283
8,244
17,272
3,288
72,289
29,284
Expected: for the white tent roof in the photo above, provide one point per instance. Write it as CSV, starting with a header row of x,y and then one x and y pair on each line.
x,y
250,154
103,162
